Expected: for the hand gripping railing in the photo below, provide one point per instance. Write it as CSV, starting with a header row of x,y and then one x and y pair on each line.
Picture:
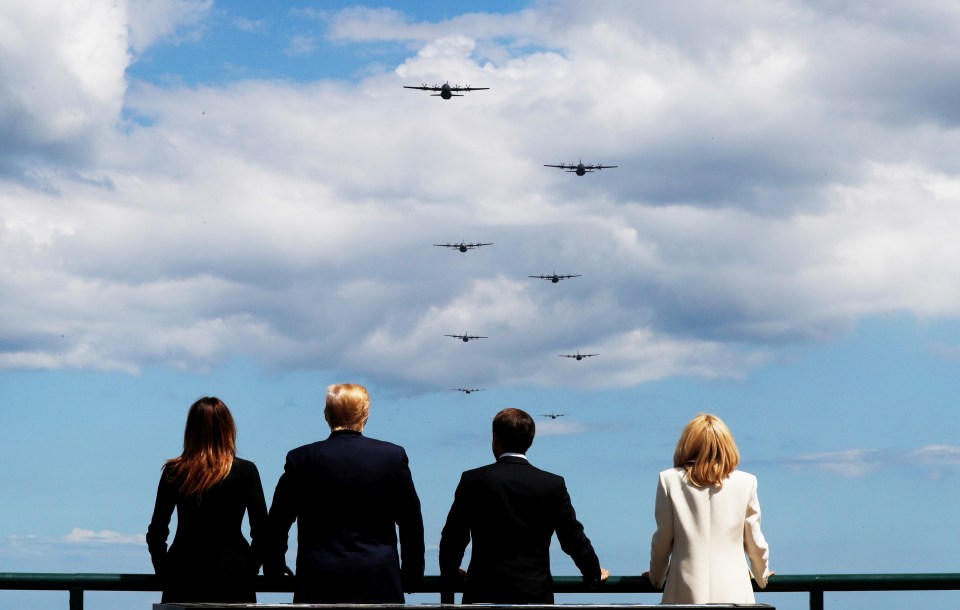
x,y
814,584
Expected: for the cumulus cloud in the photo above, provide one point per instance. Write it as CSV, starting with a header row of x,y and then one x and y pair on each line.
x,y
761,199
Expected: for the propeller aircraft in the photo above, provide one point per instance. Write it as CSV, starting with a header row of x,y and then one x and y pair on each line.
x,y
552,415
465,337
468,390
577,356
463,246
580,168
555,277
445,91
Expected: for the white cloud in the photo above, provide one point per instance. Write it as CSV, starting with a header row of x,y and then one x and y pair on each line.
x,y
934,460
154,20
83,536
758,202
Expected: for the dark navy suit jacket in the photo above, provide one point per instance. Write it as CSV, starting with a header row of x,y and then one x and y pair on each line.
x,y
349,495
510,510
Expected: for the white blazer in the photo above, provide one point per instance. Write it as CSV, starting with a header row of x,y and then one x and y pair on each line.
x,y
697,552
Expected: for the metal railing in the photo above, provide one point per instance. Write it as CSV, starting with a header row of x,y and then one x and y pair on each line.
x,y
814,584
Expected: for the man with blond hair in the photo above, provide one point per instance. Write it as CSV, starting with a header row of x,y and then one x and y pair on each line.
x,y
349,495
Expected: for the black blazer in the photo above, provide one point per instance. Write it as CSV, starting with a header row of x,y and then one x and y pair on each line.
x,y
349,494
210,560
510,510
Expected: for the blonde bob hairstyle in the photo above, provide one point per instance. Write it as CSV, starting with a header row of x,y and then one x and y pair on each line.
x,y
348,407
707,451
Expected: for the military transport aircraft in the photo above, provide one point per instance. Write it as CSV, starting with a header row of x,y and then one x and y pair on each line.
x,y
552,415
468,390
445,90
577,356
463,246
465,337
555,277
580,168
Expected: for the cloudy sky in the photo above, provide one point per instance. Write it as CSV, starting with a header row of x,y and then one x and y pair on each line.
x,y
241,199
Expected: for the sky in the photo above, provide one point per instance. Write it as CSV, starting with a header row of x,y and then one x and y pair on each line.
x,y
240,199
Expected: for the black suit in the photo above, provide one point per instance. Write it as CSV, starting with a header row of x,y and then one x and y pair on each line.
x,y
349,494
511,509
210,560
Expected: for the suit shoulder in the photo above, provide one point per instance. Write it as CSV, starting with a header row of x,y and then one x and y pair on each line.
x,y
739,477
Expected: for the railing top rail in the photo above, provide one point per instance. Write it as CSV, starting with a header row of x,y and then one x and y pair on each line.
x,y
562,584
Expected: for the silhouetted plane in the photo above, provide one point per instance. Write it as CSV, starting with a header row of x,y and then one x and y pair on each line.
x,y
466,337
577,356
445,90
462,246
555,277
468,390
552,415
580,168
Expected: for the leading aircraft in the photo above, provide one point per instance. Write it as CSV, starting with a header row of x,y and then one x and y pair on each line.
x,y
555,277
463,246
468,390
445,90
552,415
465,337
577,356
580,168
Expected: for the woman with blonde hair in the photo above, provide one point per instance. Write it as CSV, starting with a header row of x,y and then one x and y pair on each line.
x,y
708,518
211,488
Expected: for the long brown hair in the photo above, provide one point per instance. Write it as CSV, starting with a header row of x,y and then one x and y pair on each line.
x,y
707,451
209,446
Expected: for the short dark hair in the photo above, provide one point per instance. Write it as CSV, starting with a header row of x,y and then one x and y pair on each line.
x,y
514,430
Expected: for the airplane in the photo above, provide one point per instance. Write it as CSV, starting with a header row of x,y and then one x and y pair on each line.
x,y
468,390
554,278
463,246
445,90
580,168
465,337
552,415
577,356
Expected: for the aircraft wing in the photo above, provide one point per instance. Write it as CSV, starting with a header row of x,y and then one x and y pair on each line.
x,y
422,87
469,88
561,166
590,167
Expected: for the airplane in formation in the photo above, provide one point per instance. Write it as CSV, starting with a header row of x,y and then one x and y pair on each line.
x,y
468,390
552,415
445,91
555,277
463,246
577,356
465,337
581,168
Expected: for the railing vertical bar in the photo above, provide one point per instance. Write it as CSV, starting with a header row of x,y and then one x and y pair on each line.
x,y
816,600
76,598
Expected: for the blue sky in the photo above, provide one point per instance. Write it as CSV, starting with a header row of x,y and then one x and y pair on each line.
x,y
240,199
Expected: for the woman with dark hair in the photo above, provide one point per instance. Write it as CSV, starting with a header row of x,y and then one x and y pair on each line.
x,y
211,488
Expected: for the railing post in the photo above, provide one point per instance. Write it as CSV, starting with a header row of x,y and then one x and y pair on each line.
x,y
816,599
76,598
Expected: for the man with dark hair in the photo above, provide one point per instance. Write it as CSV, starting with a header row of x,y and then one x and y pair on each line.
x,y
510,510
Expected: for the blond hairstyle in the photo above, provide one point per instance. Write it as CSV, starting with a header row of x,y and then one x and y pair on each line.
x,y
707,451
348,406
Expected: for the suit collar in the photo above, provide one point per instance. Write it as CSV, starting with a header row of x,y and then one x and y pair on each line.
x,y
344,433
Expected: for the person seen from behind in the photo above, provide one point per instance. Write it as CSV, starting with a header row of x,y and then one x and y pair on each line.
x,y
211,489
708,522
